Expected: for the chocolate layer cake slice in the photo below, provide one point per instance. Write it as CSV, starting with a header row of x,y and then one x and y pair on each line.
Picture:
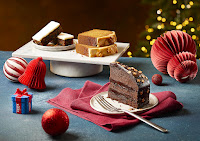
x,y
97,38
92,51
47,33
128,85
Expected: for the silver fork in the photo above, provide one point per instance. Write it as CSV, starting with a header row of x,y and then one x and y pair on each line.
x,y
107,106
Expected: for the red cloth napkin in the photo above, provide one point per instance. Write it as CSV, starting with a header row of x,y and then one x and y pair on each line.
x,y
77,102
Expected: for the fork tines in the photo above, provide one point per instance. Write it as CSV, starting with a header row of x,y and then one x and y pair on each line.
x,y
105,104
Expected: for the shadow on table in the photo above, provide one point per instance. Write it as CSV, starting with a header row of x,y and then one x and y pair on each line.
x,y
65,137
48,88
183,112
195,81
33,111
164,84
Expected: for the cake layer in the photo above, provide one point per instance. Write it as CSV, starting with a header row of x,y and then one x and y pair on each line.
x,y
122,99
121,84
97,38
141,96
92,51
135,103
65,36
65,42
47,33
127,91
63,39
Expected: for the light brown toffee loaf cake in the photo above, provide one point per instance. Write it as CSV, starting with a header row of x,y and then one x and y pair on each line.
x,y
97,38
64,39
47,33
97,43
92,51
128,85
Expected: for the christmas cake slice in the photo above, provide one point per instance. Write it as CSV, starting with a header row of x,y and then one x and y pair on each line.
x,y
64,39
97,38
47,33
92,51
128,85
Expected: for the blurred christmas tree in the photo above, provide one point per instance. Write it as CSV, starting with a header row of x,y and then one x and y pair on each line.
x,y
169,15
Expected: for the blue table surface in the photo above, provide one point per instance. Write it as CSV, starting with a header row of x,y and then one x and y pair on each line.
x,y
183,125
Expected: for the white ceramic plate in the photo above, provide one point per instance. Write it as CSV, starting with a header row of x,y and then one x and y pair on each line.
x,y
153,101
54,48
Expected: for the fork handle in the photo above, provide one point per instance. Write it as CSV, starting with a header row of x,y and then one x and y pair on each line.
x,y
147,121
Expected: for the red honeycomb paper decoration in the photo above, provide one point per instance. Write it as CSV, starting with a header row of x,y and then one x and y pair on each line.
x,y
174,54
34,75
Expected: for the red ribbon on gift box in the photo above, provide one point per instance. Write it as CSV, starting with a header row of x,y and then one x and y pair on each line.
x,y
18,99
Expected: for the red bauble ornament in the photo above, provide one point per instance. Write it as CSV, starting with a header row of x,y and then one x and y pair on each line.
x,y
157,79
34,75
55,121
174,54
14,67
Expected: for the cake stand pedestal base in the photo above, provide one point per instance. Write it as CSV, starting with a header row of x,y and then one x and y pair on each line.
x,y
71,69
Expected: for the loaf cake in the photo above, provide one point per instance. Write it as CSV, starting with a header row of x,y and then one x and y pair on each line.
x,y
64,39
97,38
47,33
128,85
92,51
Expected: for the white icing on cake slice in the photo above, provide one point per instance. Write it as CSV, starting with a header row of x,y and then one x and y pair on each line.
x,y
65,36
50,27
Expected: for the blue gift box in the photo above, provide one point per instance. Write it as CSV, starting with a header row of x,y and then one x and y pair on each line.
x,y
22,102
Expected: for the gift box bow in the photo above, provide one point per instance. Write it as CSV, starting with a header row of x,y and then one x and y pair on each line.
x,y
22,94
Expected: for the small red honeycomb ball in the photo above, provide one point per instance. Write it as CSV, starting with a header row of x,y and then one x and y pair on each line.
x,y
157,79
55,121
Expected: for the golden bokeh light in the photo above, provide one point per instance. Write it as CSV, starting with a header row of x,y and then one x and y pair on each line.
x,y
174,1
174,23
159,18
179,26
191,3
146,26
159,26
182,6
129,53
163,19
150,30
194,37
148,37
162,26
192,29
191,19
152,41
144,49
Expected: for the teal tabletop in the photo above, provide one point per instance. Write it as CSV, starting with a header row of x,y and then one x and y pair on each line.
x,y
183,125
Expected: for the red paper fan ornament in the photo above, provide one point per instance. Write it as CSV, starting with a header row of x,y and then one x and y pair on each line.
x,y
174,54
34,75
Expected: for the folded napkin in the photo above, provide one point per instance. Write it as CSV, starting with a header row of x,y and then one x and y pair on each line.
x,y
77,102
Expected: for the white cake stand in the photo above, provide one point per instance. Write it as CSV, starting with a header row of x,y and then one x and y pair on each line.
x,y
69,63
71,69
